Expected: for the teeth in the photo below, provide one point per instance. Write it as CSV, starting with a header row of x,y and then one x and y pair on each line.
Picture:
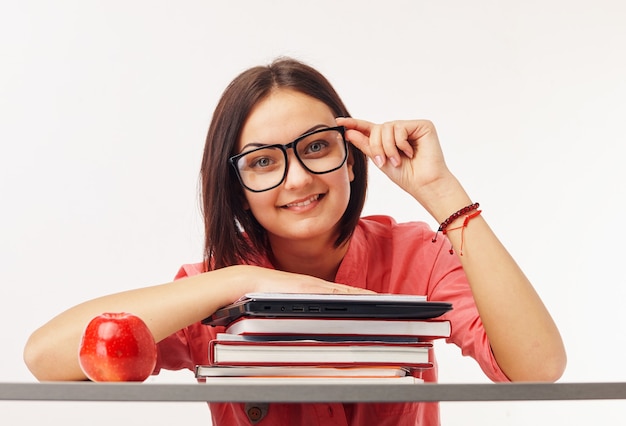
x,y
304,203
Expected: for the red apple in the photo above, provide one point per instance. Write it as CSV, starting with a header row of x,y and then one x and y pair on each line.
x,y
117,347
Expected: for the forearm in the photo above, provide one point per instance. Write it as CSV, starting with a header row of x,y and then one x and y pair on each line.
x,y
522,334
52,351
523,337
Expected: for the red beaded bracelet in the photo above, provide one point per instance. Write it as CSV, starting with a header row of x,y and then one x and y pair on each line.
x,y
443,227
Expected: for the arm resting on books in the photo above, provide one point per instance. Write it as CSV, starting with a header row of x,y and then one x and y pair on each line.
x,y
51,352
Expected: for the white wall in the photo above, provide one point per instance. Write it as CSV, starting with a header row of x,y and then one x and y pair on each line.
x,y
104,108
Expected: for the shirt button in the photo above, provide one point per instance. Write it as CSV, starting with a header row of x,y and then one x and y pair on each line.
x,y
256,412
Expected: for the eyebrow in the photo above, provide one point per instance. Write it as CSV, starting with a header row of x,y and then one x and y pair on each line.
x,y
258,144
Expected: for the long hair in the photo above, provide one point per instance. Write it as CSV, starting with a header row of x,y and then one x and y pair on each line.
x,y
232,234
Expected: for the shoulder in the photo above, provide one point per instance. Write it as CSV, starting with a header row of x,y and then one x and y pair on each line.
x,y
406,243
394,257
386,226
384,238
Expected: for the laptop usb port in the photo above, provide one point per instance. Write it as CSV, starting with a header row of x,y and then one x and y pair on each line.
x,y
315,309
297,308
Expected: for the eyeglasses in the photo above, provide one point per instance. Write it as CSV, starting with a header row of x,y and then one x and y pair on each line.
x,y
264,168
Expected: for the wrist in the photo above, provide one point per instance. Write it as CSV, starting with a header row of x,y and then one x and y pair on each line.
x,y
467,213
442,198
232,282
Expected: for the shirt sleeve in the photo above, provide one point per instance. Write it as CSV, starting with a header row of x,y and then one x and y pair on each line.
x,y
404,259
449,283
187,347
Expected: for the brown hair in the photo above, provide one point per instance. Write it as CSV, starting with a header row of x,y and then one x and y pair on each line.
x,y
232,234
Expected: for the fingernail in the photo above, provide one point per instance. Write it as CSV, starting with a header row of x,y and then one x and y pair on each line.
x,y
394,162
379,161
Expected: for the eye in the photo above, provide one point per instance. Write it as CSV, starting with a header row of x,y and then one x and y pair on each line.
x,y
261,162
316,147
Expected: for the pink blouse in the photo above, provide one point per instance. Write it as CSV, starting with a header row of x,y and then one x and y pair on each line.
x,y
386,257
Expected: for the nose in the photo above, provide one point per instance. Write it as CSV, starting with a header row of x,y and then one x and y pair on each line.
x,y
297,175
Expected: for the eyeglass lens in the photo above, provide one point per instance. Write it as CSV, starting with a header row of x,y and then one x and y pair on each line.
x,y
264,168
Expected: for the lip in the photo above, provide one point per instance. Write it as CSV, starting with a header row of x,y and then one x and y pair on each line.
x,y
303,203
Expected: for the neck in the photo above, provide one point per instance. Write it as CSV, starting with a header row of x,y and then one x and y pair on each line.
x,y
315,259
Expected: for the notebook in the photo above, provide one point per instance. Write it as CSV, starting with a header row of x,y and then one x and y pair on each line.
x,y
264,381
261,328
299,371
310,353
299,305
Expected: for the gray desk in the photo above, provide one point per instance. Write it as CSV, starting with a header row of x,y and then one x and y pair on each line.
x,y
85,391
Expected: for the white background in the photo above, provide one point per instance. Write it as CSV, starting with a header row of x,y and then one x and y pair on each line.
x,y
104,107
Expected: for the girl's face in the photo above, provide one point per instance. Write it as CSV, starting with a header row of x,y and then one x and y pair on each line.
x,y
304,206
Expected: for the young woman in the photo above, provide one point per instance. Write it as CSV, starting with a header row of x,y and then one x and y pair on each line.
x,y
284,180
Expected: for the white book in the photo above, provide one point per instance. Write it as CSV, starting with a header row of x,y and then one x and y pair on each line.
x,y
425,329
328,338
291,371
301,353
406,380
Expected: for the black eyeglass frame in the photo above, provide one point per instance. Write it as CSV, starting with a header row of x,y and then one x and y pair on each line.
x,y
341,129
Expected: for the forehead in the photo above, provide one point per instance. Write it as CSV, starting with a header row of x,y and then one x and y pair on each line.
x,y
282,116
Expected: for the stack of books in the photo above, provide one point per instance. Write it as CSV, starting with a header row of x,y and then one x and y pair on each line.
x,y
312,347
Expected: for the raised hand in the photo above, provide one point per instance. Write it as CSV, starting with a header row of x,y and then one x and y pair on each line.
x,y
409,153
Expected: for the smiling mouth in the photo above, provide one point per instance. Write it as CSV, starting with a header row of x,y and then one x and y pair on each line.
x,y
305,202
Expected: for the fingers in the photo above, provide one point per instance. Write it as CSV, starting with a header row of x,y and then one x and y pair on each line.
x,y
321,286
380,142
352,123
401,134
358,132
269,280
389,144
342,289
375,145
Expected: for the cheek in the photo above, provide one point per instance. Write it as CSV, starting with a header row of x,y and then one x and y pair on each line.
x,y
341,181
256,202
